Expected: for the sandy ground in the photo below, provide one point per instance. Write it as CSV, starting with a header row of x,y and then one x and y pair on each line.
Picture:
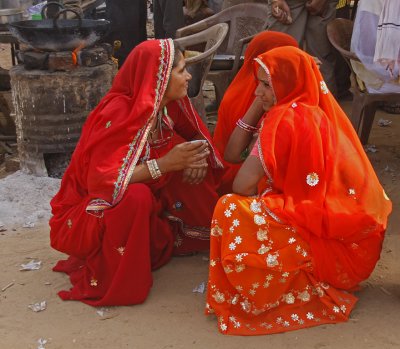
x,y
172,316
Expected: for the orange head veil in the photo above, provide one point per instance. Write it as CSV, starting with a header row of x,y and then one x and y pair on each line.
x,y
240,93
323,183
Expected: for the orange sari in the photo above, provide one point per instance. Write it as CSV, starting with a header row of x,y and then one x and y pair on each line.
x,y
240,95
287,258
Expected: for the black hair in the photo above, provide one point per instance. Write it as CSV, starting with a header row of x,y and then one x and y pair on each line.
x,y
178,51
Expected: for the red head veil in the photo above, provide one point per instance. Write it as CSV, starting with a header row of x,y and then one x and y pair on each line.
x,y
114,136
240,94
324,184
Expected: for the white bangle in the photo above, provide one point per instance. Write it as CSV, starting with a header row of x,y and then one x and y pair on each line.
x,y
154,170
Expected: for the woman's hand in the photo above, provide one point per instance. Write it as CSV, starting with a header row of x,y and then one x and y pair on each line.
x,y
195,175
317,61
240,139
281,11
185,155
255,112
189,155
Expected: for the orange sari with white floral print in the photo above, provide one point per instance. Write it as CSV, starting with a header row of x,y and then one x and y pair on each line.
x,y
288,257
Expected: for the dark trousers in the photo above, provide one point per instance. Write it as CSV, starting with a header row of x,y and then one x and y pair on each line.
x,y
168,17
342,70
128,25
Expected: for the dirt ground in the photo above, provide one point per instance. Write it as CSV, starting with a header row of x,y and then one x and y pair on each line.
x,y
172,316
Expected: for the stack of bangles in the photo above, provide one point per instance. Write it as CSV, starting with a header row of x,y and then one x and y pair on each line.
x,y
246,127
153,168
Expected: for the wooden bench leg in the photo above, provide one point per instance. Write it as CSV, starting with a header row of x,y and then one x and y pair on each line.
x,y
357,113
368,119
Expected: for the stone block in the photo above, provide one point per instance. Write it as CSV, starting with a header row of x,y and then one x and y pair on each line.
x,y
94,56
12,163
35,60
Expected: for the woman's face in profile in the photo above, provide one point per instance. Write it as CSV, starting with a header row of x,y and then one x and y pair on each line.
x,y
178,81
264,91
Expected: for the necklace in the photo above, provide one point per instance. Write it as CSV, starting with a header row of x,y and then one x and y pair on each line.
x,y
163,124
158,129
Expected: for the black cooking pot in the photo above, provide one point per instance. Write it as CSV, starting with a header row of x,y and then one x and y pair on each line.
x,y
59,34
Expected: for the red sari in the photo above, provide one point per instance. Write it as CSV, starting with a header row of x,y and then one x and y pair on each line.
x,y
116,232
240,95
288,257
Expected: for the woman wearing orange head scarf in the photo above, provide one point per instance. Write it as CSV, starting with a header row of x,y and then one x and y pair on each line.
x,y
240,96
307,220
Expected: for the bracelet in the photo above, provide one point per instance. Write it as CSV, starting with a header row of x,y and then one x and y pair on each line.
x,y
153,168
246,127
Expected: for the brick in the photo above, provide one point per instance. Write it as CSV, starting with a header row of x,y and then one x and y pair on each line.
x,y
35,60
61,61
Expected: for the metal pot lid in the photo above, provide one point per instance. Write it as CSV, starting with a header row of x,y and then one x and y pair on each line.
x,y
62,24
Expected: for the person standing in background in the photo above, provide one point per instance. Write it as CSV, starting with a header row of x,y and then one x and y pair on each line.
x,y
342,70
376,42
196,10
215,5
306,20
343,9
168,17
128,25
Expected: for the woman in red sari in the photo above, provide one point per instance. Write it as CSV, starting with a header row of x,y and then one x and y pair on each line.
x,y
307,220
136,192
239,97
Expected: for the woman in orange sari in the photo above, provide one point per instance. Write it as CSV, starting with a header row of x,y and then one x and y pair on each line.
x,y
126,205
307,220
239,97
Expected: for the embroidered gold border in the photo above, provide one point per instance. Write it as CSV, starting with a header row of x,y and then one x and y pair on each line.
x,y
162,82
201,233
262,64
263,162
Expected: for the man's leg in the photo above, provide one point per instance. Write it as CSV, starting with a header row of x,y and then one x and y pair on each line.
x,y
159,32
342,70
173,17
318,44
128,25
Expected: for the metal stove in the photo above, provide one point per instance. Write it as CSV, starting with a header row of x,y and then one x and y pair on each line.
x,y
53,92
